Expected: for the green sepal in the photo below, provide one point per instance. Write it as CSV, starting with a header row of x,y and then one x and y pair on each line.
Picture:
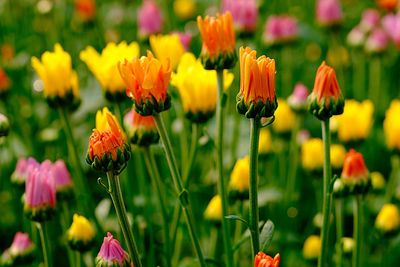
x,y
256,109
40,214
150,106
326,108
222,61
81,245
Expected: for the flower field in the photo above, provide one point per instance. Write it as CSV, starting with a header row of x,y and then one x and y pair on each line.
x,y
180,133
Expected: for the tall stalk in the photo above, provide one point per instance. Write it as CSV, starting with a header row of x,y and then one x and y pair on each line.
x,y
182,193
327,195
220,166
44,239
119,205
357,231
339,231
253,186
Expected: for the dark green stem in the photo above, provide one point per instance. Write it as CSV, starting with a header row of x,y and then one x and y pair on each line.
x,y
253,186
357,231
220,166
183,194
327,196
119,205
192,154
394,176
339,231
44,239
157,185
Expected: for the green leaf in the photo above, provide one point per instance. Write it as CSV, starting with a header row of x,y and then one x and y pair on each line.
x,y
266,235
237,218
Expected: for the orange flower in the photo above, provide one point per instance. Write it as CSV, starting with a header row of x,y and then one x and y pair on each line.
x,y
107,148
147,80
141,130
354,166
85,9
4,81
217,33
326,98
263,260
387,4
256,97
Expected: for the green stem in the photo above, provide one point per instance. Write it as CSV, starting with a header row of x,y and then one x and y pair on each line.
x,y
392,183
157,185
183,194
327,196
78,259
357,232
220,166
238,232
45,245
119,205
65,222
294,158
192,154
339,231
253,186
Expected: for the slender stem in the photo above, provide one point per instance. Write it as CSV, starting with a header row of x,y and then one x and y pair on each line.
x,y
183,194
394,175
294,158
220,166
253,193
119,205
238,232
235,138
65,222
78,259
327,196
357,231
156,181
45,245
339,231
192,154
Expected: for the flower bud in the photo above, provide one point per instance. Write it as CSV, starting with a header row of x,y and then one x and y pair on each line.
x,y
390,22
80,234
64,184
355,174
312,247
280,30
22,170
298,99
111,254
264,260
370,19
377,42
329,13
377,181
213,211
388,219
387,4
239,180
391,126
85,9
20,252
142,131
356,37
4,125
244,13
150,19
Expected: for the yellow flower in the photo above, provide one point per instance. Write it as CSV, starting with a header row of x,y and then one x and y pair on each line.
x,y
265,143
167,46
55,70
104,66
102,121
240,175
312,247
81,233
197,87
356,121
338,153
184,9
213,211
391,125
388,219
377,180
285,118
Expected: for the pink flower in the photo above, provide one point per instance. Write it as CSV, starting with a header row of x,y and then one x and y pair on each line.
x,y
185,38
329,12
377,41
298,99
391,24
280,29
356,37
21,245
40,192
150,19
370,19
22,169
111,253
244,13
61,176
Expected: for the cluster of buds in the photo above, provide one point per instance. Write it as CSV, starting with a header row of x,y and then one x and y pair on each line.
x,y
142,131
20,252
108,150
80,234
111,254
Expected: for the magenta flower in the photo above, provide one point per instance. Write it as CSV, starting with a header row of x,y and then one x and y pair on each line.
x,y
356,37
391,24
21,245
150,18
280,29
244,13
377,41
111,253
61,176
370,19
298,99
40,193
329,12
22,169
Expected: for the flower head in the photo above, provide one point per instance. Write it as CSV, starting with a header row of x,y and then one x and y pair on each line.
x,y
197,88
107,148
59,80
280,30
391,24
388,219
213,211
239,180
298,99
312,151
62,178
329,12
4,125
326,98
338,153
391,125
256,97
387,4
370,19
167,47
40,193
21,251
356,37
146,80
377,41
81,233
218,37
85,9
23,168
4,81
244,13
355,175
111,254
264,260
285,118
312,247
150,19
104,66
142,130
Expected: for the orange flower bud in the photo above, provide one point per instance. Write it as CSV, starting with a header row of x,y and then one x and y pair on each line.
x,y
256,97
218,37
355,175
146,80
142,130
326,98
263,260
